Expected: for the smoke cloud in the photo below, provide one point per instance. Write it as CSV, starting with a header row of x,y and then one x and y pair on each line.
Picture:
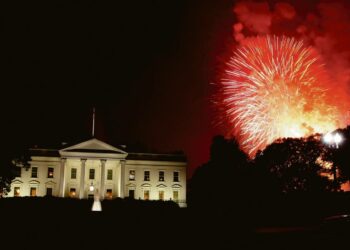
x,y
323,25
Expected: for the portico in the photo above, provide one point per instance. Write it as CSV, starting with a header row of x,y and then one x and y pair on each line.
x,y
89,160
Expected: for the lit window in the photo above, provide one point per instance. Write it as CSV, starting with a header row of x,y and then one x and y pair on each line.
x,y
91,174
131,193
176,176
146,176
161,195
73,173
131,175
175,195
49,191
146,194
161,175
72,192
32,191
34,172
17,192
109,174
50,173
109,194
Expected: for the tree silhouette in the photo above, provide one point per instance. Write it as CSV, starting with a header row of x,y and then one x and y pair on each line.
x,y
6,176
221,177
10,167
292,165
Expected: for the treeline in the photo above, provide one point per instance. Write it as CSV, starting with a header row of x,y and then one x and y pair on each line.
x,y
293,180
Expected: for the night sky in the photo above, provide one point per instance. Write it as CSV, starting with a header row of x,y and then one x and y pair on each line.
x,y
145,65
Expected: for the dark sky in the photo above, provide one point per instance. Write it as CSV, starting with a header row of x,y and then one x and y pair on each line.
x,y
145,65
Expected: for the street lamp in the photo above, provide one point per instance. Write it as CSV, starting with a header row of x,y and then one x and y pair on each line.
x,y
337,139
333,140
328,138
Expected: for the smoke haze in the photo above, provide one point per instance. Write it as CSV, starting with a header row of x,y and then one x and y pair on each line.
x,y
323,25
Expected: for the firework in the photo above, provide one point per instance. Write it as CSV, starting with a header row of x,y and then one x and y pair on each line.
x,y
275,87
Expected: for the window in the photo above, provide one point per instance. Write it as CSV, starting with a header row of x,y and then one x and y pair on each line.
x,y
131,175
91,174
17,171
73,173
176,176
161,195
32,191
72,192
175,195
34,172
109,174
146,176
16,192
131,193
50,173
49,191
109,194
161,175
146,194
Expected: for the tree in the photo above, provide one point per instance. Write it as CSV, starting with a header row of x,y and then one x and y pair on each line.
x,y
219,192
10,167
221,177
292,165
6,175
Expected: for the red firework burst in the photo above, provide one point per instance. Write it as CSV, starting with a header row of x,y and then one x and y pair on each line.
x,y
275,87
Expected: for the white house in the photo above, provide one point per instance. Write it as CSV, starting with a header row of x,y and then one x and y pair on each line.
x,y
81,170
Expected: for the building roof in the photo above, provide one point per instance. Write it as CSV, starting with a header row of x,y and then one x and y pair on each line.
x,y
156,157
44,152
88,150
93,146
96,146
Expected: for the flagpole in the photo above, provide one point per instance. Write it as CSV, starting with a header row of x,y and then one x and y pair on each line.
x,y
93,122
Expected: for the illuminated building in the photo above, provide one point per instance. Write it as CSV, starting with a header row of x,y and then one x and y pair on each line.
x,y
77,171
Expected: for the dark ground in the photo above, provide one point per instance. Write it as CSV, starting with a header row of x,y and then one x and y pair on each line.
x,y
42,223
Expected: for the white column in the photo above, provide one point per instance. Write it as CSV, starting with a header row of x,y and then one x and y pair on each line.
x,y
82,179
122,178
103,176
62,177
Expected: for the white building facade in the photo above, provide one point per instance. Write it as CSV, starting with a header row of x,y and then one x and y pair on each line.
x,y
81,170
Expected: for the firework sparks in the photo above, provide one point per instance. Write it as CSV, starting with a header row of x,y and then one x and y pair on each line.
x,y
275,87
